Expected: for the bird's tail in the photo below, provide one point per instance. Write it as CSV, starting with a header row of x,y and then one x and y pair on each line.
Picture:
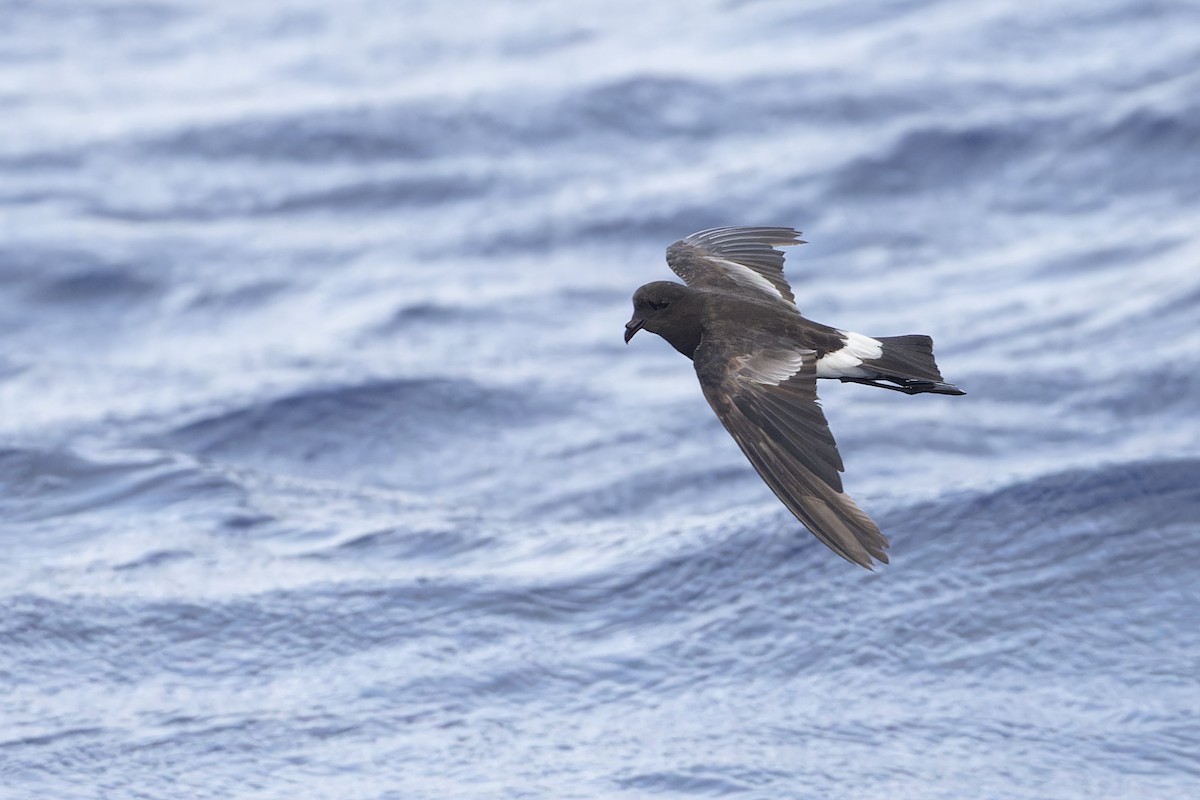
x,y
908,362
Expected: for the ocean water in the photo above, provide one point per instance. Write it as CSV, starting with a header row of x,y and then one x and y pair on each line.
x,y
325,473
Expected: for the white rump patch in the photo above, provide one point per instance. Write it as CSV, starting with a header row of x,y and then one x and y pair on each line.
x,y
747,277
773,367
847,362
863,347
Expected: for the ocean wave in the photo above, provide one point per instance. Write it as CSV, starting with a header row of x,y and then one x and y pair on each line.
x,y
400,131
414,431
38,484
325,465
1095,516
936,157
351,197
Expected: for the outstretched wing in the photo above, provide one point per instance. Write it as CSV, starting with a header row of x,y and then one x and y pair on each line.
x,y
767,400
735,258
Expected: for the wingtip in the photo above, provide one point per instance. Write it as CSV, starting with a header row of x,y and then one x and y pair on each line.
x,y
870,561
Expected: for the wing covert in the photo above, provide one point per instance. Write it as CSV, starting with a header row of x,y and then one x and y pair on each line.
x,y
735,258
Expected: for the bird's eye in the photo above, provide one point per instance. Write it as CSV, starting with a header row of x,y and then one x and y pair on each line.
x,y
659,305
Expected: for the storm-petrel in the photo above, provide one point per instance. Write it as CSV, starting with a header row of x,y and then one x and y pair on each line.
x,y
758,361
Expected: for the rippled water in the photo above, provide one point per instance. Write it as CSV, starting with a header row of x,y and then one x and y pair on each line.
x,y
324,471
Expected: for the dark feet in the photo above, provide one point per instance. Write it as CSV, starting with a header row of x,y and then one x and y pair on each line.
x,y
908,385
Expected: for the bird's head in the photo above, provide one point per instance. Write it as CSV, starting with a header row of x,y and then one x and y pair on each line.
x,y
665,308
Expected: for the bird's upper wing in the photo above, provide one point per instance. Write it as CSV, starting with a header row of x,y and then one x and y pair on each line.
x,y
767,399
735,258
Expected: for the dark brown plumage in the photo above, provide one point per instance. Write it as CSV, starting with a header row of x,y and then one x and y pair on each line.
x,y
758,360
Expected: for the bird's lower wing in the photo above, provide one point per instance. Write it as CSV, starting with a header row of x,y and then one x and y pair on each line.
x,y
767,400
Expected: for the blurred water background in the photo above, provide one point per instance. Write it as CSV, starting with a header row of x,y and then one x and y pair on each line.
x,y
325,473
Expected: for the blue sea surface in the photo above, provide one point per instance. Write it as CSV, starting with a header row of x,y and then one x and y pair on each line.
x,y
325,472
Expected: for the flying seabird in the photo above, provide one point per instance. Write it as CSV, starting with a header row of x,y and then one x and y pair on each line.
x,y
758,360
